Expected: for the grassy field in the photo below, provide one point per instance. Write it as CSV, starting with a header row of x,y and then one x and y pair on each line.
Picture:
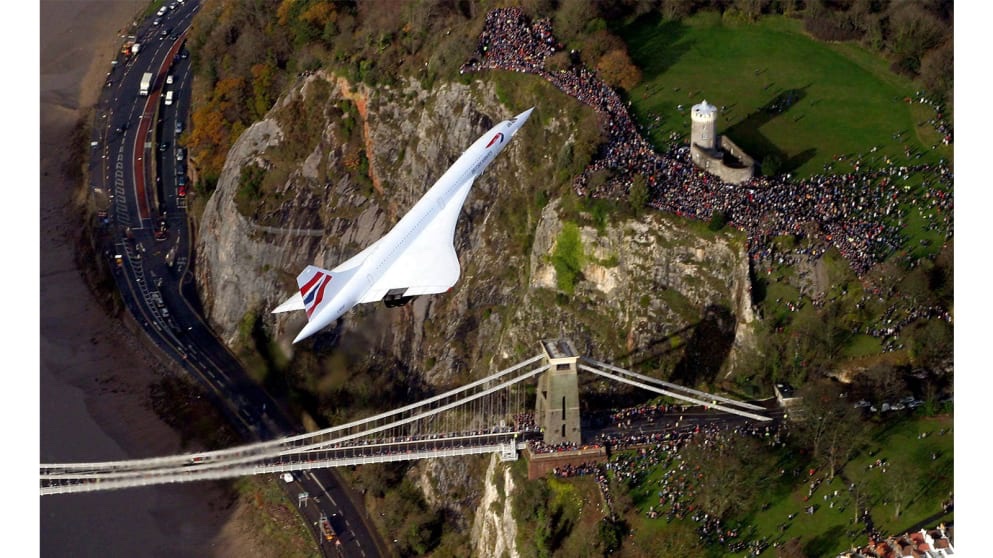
x,y
844,100
918,477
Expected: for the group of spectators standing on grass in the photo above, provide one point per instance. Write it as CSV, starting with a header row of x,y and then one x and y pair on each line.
x,y
678,486
858,212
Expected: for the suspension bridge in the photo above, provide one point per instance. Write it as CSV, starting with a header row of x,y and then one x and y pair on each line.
x,y
491,415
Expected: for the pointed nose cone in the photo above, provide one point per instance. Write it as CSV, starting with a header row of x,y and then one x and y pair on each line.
x,y
522,117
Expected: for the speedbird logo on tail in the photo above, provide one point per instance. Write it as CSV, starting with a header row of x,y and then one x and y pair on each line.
x,y
492,141
313,291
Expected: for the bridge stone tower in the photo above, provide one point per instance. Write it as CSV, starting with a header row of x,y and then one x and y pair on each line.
x,y
557,401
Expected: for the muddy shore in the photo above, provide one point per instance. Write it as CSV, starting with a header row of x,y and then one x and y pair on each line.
x,y
95,373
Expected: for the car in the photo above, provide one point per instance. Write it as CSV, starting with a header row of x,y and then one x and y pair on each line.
x,y
179,154
181,191
179,126
161,11
181,180
164,33
169,79
156,21
184,54
163,146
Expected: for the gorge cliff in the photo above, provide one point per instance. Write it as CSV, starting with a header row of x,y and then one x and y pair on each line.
x,y
333,166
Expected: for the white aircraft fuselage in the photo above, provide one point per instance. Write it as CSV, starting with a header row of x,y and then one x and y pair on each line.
x,y
415,257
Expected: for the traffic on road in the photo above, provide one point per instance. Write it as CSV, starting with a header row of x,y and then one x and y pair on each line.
x,y
141,179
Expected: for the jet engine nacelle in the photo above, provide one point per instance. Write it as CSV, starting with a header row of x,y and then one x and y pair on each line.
x,y
394,298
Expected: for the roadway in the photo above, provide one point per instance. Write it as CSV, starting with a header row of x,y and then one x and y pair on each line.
x,y
137,168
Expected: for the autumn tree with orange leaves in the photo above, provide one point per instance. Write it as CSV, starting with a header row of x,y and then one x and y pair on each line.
x,y
616,69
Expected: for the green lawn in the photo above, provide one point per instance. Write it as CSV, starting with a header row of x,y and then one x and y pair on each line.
x,y
926,482
845,99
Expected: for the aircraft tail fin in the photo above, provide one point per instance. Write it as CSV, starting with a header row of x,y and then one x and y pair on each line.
x,y
317,286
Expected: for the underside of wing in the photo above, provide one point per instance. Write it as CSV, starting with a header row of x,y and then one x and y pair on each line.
x,y
429,264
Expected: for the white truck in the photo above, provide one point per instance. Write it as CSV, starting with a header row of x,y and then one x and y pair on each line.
x,y
168,98
146,83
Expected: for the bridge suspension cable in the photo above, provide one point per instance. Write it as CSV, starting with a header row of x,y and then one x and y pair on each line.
x,y
404,433
479,417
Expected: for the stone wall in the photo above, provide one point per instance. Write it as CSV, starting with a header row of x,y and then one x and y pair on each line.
x,y
540,464
713,161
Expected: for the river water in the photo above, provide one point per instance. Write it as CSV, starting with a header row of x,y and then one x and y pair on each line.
x,y
94,372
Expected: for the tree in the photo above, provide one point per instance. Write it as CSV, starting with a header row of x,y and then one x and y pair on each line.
x,y
751,9
914,32
567,257
936,70
733,472
902,485
610,533
676,10
830,427
617,70
792,548
558,61
638,194
931,343
571,19
717,221
680,540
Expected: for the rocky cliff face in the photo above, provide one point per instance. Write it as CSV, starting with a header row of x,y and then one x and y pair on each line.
x,y
645,277
494,531
646,283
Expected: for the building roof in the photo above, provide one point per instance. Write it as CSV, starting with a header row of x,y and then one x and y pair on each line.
x,y
704,109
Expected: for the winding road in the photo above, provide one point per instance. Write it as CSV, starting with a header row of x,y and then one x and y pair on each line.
x,y
139,169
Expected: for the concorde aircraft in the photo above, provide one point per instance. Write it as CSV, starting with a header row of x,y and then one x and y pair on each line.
x,y
417,257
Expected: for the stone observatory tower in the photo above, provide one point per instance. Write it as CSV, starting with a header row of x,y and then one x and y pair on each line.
x,y
703,130
717,154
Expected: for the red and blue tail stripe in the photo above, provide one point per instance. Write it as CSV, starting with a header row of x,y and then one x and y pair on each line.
x,y
313,291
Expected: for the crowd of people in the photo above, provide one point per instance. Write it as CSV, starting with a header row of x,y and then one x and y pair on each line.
x,y
858,212
861,211
678,486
